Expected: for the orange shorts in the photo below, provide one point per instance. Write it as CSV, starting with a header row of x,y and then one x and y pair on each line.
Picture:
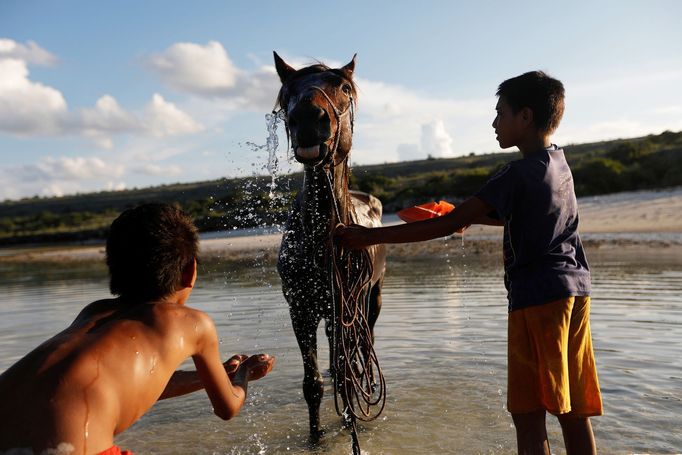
x,y
115,450
551,361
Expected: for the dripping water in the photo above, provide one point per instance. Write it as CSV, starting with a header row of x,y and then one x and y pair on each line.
x,y
271,145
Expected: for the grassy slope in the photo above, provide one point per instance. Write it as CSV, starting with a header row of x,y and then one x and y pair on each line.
x,y
603,167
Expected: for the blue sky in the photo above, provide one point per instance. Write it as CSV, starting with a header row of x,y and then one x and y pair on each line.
x,y
113,95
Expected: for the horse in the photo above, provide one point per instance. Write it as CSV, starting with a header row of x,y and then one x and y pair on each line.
x,y
318,103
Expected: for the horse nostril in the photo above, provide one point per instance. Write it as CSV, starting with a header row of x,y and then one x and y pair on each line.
x,y
323,116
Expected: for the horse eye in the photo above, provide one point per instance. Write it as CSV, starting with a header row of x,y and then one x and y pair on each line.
x,y
346,89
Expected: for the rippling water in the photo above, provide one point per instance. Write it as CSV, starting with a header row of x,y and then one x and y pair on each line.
x,y
441,342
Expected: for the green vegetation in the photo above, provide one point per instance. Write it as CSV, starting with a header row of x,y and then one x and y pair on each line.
x,y
604,167
214,205
648,162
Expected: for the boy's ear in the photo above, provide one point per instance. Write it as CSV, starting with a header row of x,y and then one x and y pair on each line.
x,y
189,274
527,116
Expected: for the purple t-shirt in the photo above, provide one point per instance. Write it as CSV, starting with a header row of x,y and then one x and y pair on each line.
x,y
544,258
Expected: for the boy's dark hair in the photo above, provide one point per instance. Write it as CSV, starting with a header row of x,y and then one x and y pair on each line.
x,y
540,93
148,249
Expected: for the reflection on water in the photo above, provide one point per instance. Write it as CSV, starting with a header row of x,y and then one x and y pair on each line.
x,y
441,341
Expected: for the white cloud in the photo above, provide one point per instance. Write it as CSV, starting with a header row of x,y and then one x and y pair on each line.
x,y
622,105
107,116
102,121
157,169
27,107
396,123
165,119
207,71
115,186
409,152
435,140
191,67
389,114
29,52
669,110
390,100
77,168
56,176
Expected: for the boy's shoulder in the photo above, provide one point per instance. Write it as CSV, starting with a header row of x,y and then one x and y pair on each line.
x,y
528,169
508,170
152,314
182,317
97,307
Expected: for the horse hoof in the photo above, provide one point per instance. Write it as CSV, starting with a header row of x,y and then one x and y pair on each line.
x,y
315,436
347,422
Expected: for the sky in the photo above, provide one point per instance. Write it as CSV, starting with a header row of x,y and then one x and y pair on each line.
x,y
128,94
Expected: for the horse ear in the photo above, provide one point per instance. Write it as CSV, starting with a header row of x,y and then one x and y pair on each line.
x,y
283,70
350,67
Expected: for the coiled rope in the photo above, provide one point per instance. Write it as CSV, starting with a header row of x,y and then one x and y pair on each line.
x,y
358,380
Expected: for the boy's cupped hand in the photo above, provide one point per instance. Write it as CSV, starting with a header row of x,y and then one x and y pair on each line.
x,y
233,363
256,366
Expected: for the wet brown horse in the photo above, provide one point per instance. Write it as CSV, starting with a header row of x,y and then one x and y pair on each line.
x,y
318,103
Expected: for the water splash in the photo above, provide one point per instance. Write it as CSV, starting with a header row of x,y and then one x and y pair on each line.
x,y
258,213
271,145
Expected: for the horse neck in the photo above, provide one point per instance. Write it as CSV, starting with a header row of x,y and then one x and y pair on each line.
x,y
319,205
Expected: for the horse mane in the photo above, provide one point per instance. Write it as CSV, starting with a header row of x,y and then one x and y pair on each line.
x,y
317,68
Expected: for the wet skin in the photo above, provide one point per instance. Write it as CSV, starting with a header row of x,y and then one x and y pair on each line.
x,y
97,377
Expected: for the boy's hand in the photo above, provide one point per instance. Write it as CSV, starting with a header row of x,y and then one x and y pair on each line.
x,y
233,364
257,366
353,237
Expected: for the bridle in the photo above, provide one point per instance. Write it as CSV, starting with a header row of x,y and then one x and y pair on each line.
x,y
338,116
328,164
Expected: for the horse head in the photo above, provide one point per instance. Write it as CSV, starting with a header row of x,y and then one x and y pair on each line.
x,y
318,103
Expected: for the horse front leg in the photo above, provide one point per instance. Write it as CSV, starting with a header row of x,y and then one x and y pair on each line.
x,y
339,381
313,384
329,331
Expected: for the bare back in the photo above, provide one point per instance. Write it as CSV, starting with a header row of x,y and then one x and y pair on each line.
x,y
97,377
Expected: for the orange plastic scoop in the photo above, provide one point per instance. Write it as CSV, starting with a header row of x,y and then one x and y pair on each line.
x,y
425,211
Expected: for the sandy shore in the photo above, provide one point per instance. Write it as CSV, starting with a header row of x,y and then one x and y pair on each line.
x,y
633,220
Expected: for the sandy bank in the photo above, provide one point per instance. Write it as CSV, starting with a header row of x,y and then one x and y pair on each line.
x,y
633,220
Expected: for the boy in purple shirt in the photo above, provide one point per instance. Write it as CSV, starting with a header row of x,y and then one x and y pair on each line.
x,y
551,364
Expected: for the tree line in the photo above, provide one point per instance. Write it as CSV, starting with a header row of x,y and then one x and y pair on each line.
x,y
643,163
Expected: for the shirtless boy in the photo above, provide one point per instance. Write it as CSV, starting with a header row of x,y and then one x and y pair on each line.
x,y
76,391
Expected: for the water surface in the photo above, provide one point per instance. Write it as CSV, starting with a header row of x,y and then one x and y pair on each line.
x,y
441,341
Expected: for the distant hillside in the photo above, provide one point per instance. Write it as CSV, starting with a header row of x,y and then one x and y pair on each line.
x,y
648,162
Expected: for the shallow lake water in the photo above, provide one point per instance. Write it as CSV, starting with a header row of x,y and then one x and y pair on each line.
x,y
441,343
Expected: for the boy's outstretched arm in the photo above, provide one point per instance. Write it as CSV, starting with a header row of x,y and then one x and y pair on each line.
x,y
227,397
183,382
488,220
467,213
